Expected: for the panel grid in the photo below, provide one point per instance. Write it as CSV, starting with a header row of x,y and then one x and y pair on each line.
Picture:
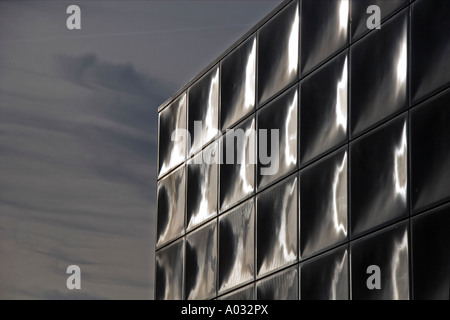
x,y
359,170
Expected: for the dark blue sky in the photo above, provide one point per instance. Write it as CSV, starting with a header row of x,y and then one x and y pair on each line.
x,y
78,134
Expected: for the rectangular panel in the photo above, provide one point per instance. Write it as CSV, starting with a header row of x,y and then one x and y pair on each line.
x,y
323,109
238,74
430,152
378,75
278,45
379,177
430,48
202,186
171,206
323,204
431,255
325,277
324,29
388,250
203,108
277,138
281,286
277,226
172,118
236,246
201,263
169,272
360,15
238,162
246,293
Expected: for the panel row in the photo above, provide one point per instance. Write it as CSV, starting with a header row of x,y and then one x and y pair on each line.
x,y
268,62
375,266
368,182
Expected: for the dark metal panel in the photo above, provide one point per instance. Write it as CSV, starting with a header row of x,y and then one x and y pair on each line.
x,y
237,174
202,186
326,277
169,272
278,51
379,75
281,286
246,293
387,249
280,116
171,206
430,152
277,226
172,153
201,263
323,204
323,109
324,30
236,246
430,48
238,82
379,177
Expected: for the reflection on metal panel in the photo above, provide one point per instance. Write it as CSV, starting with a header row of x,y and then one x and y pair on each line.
x,y
169,272
246,293
201,263
323,204
171,200
281,286
236,246
323,109
324,29
379,87
172,152
203,109
237,171
202,186
430,154
379,177
280,115
278,53
325,277
277,226
387,249
238,76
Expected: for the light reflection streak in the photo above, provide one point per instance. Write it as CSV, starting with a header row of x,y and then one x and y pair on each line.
x,y
343,16
398,269
399,174
291,133
336,275
341,100
340,173
293,44
249,97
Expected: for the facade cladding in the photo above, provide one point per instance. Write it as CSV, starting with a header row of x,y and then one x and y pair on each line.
x,y
363,171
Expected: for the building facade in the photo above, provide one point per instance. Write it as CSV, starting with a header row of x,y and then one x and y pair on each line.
x,y
356,201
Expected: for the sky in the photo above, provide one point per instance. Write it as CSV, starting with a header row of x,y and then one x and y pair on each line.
x,y
78,134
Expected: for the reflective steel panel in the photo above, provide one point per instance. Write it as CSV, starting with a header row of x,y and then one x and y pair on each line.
x,y
202,186
325,277
378,74
360,15
169,272
236,246
324,29
203,108
387,249
323,109
201,263
237,170
430,48
431,255
430,152
281,286
246,293
238,76
277,226
379,179
323,204
172,153
278,45
277,157
171,205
